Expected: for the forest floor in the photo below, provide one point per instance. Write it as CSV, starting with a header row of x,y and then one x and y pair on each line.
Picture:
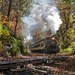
x,y
61,63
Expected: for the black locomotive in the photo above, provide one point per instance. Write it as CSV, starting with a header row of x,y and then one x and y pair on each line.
x,y
47,45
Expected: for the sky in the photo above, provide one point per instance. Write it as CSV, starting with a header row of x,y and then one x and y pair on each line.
x,y
46,15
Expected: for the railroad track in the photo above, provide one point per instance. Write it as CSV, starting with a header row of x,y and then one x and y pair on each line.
x,y
40,60
13,64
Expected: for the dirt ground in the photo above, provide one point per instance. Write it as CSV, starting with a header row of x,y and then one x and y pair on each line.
x,y
64,63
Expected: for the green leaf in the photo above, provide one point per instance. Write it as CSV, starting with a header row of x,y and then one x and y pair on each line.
x,y
0,28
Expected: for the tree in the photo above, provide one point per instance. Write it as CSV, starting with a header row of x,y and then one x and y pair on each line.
x,y
20,7
9,9
67,28
11,23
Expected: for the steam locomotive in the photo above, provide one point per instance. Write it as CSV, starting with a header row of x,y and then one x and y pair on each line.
x,y
47,45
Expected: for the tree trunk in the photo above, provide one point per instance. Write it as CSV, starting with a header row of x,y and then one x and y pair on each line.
x,y
15,26
9,8
2,12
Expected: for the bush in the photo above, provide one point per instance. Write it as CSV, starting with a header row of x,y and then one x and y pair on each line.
x,y
65,45
70,49
73,47
4,34
16,42
21,45
15,46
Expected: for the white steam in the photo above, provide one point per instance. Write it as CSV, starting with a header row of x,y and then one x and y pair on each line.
x,y
46,16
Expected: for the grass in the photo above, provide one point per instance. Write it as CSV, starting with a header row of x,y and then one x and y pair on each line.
x,y
68,50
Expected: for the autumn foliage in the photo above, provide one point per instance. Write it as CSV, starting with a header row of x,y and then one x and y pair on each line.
x,y
10,24
66,32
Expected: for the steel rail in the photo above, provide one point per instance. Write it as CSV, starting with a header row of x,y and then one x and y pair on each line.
x,y
13,64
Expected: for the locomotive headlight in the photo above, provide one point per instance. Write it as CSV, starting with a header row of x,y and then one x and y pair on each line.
x,y
53,38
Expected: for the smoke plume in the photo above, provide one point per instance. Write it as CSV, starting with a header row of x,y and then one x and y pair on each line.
x,y
46,16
